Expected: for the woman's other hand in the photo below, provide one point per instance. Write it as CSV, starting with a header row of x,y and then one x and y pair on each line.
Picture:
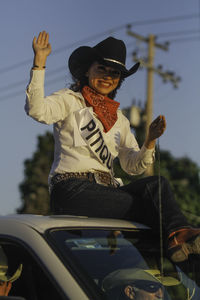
x,y
156,129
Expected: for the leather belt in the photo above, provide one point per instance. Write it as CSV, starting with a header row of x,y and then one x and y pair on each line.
x,y
100,177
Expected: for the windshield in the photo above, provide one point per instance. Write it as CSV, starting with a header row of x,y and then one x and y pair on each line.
x,y
114,259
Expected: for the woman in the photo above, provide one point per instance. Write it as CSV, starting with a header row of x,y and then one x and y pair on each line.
x,y
89,132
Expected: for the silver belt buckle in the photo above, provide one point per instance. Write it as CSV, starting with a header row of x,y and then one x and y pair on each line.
x,y
98,180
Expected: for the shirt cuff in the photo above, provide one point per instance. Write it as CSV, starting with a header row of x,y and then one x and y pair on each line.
x,y
149,154
36,79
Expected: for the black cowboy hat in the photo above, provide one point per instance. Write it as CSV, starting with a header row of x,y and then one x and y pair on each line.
x,y
110,52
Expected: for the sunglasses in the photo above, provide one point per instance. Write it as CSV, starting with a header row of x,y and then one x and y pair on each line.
x,y
101,69
148,286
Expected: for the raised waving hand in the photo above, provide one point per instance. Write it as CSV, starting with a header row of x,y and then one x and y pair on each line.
x,y
41,48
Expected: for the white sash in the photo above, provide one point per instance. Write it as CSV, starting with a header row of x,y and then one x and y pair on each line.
x,y
87,132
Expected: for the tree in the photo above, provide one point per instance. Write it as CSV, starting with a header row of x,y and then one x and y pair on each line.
x,y
183,175
34,188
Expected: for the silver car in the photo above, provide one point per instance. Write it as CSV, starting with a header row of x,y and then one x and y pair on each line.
x,y
69,257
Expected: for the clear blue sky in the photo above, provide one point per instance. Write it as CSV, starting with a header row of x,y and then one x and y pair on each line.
x,y
72,23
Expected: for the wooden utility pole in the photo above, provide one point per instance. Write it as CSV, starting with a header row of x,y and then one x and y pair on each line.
x,y
149,64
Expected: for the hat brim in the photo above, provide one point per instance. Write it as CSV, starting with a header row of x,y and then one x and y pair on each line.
x,y
83,57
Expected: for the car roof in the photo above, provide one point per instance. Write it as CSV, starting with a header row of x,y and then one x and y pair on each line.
x,y
42,223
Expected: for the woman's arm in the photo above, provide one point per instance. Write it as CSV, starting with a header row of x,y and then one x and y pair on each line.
x,y
134,160
47,110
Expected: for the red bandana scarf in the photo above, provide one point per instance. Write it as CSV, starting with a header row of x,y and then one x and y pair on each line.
x,y
104,107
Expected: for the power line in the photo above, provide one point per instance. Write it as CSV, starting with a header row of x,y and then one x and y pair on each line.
x,y
174,33
185,39
24,82
109,31
59,69
22,91
55,71
199,13
94,37
59,50
164,20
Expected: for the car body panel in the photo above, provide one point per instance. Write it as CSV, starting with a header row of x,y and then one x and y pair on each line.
x,y
35,233
42,223
28,230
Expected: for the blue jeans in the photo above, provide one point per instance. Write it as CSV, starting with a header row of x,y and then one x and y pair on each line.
x,y
137,201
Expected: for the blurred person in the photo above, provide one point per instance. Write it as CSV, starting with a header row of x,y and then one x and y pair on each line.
x,y
137,284
90,131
